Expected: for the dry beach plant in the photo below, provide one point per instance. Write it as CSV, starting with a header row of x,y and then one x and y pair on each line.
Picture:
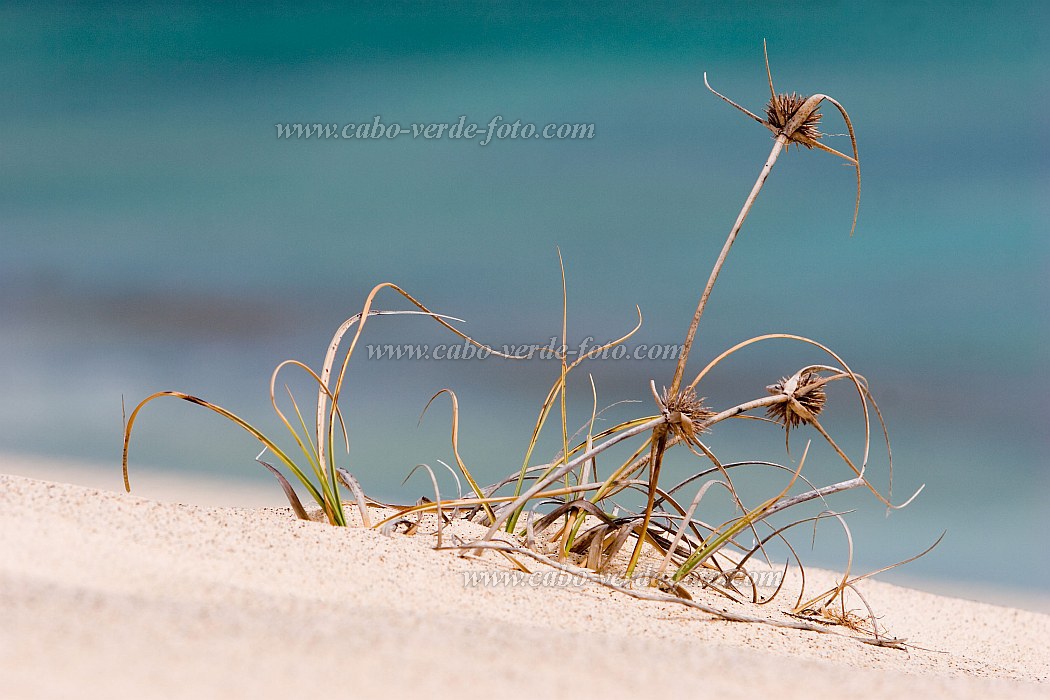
x,y
562,515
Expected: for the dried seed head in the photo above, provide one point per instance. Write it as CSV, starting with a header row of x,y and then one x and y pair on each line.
x,y
688,410
780,110
806,399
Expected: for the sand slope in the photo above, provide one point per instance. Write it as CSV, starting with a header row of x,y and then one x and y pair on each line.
x,y
109,595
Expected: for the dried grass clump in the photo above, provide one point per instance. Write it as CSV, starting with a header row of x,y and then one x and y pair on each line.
x,y
563,514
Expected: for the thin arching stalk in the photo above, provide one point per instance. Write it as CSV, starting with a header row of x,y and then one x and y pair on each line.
x,y
778,147
800,128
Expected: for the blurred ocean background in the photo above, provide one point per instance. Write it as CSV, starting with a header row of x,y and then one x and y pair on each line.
x,y
156,234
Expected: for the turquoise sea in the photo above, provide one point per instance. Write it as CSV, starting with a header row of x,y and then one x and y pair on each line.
x,y
155,233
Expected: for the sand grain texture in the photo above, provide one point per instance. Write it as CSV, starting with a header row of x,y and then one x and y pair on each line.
x,y
110,595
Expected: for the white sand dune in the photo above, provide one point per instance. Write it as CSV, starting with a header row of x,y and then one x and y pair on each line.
x,y
109,595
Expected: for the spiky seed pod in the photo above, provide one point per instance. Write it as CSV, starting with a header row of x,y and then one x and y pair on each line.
x,y
806,399
780,110
687,411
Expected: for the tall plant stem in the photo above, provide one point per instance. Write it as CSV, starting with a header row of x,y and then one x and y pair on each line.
x,y
656,458
778,147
